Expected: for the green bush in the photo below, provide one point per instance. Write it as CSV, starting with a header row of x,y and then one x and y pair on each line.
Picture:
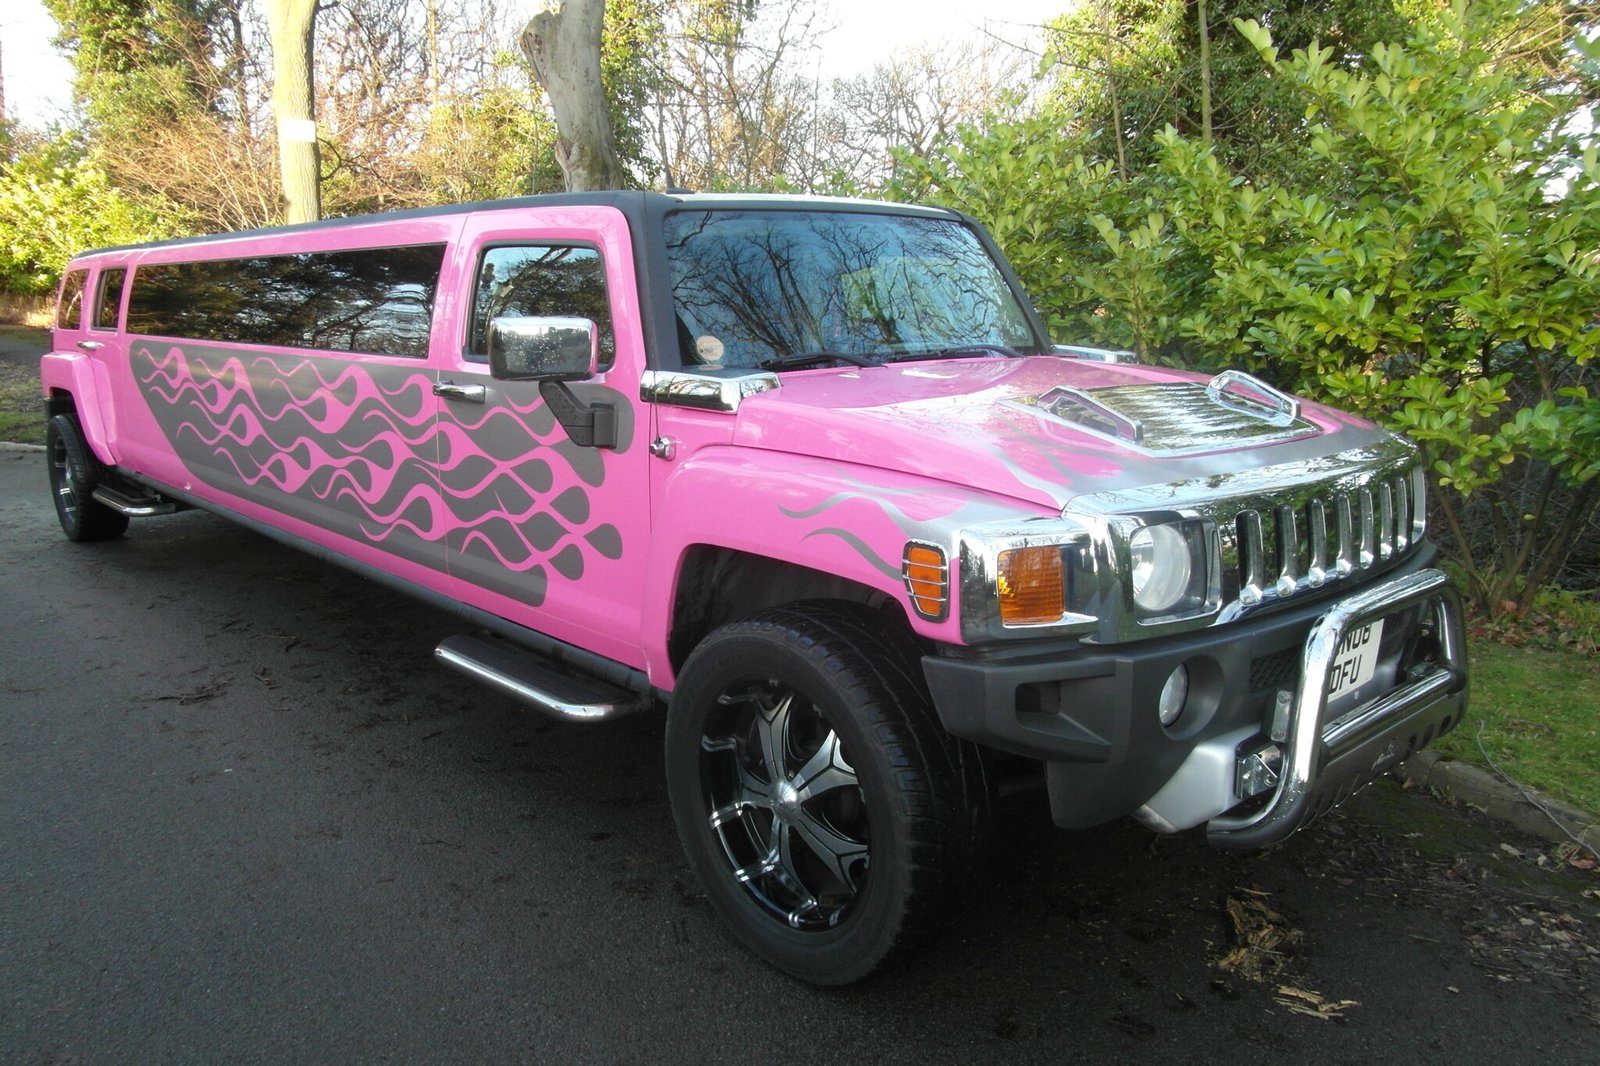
x,y
1438,274
55,203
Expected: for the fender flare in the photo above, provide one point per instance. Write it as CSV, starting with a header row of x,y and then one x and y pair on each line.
x,y
74,376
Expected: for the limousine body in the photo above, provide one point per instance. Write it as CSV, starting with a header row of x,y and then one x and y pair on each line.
x,y
808,477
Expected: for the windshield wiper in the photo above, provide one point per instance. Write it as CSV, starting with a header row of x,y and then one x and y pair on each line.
x,y
796,360
962,351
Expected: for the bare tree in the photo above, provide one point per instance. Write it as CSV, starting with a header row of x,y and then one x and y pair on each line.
x,y
915,102
563,47
730,110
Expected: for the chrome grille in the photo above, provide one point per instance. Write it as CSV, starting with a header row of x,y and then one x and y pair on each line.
x,y
1277,550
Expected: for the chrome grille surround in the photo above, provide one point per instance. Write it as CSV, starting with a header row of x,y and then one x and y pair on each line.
x,y
1280,532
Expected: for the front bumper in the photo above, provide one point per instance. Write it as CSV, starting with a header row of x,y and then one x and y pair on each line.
x,y
1258,688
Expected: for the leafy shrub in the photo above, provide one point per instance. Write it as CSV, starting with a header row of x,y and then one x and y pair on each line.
x,y
1438,274
55,203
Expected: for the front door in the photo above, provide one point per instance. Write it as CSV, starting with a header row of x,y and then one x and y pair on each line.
x,y
546,532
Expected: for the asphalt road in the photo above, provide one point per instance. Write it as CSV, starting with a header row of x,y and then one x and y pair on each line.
x,y
22,351
244,818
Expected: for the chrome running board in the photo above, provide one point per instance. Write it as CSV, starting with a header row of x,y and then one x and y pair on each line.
x,y
546,686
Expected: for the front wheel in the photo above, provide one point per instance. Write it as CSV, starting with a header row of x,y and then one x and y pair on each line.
x,y
74,473
829,817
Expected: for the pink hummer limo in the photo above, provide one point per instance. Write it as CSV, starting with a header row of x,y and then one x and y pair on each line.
x,y
809,475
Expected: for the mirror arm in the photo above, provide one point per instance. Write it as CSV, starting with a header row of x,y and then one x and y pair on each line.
x,y
592,425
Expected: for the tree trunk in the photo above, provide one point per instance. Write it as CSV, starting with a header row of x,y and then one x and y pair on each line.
x,y
563,47
1205,74
292,24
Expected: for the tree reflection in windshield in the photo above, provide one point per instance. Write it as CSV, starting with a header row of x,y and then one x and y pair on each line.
x,y
767,284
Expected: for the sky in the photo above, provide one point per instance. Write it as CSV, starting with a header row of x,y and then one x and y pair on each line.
x,y
38,80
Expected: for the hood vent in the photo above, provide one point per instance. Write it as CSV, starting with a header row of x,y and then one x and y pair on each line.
x,y
1232,410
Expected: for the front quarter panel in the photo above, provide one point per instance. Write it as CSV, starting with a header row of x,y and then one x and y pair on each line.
x,y
842,519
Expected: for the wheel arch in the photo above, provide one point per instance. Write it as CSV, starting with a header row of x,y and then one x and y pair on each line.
x,y
717,585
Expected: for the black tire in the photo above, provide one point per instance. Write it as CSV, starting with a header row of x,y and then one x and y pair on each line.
x,y
74,473
830,882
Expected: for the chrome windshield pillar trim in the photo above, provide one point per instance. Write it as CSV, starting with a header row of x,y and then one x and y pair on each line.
x,y
1306,743
706,390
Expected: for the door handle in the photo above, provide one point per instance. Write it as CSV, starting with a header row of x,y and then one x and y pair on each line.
x,y
460,393
91,346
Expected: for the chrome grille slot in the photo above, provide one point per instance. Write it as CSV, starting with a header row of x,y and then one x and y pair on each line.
x,y
1288,569
1368,553
1317,531
1402,512
1386,534
1252,557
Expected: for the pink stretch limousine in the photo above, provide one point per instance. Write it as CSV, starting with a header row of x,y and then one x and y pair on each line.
x,y
808,477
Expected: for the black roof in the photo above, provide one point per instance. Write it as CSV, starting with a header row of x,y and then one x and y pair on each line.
x,y
635,204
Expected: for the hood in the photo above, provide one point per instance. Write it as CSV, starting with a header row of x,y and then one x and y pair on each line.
x,y
1043,429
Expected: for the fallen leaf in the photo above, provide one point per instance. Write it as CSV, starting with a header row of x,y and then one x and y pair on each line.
x,y
1313,1004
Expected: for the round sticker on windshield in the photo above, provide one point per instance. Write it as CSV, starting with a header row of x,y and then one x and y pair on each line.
x,y
708,348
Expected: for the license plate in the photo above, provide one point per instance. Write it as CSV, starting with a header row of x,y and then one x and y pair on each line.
x,y
1356,661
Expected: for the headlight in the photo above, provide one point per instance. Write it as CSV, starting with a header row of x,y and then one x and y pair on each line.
x,y
1162,568
1173,571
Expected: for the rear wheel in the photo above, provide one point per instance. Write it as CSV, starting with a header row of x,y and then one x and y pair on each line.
x,y
74,473
830,818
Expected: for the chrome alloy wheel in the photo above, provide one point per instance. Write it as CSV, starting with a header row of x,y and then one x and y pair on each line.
x,y
785,804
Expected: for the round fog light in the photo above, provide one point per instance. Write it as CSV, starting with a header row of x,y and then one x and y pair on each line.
x,y
1174,694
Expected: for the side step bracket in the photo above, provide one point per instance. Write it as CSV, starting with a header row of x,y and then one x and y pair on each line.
x,y
537,681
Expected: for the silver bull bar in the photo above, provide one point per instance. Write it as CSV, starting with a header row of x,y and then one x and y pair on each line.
x,y
1321,766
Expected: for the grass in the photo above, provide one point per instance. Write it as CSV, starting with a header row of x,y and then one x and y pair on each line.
x,y
1535,714
21,409
1535,708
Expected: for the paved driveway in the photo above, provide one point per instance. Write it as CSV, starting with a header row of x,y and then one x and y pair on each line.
x,y
244,818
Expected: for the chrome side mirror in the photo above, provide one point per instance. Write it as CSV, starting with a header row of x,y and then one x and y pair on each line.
x,y
544,348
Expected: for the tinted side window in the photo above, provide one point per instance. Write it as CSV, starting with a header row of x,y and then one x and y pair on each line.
x,y
536,280
108,299
378,301
69,306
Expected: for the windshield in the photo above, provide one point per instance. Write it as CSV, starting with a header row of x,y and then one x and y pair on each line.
x,y
797,288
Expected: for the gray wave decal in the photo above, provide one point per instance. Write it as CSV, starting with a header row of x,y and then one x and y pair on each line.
x,y
860,548
360,448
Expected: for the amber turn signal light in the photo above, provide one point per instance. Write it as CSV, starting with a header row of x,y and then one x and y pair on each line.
x,y
1032,586
927,579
